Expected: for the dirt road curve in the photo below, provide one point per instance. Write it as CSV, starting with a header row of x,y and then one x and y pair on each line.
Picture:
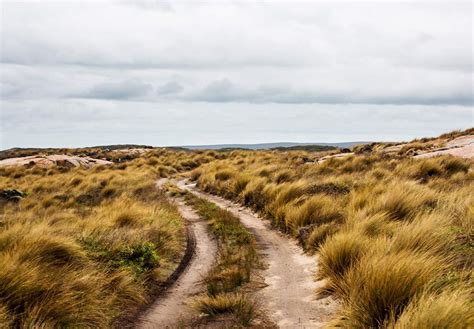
x,y
173,308
289,297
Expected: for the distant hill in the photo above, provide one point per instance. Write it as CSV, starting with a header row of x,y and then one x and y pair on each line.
x,y
268,146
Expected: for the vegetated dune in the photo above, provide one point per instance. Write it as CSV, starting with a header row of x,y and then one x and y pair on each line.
x,y
393,233
83,247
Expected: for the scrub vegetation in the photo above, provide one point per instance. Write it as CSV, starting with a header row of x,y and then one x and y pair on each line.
x,y
83,247
394,235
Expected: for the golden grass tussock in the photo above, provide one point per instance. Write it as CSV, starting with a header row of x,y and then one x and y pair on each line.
x,y
83,247
338,254
313,211
393,234
379,286
374,220
449,309
237,304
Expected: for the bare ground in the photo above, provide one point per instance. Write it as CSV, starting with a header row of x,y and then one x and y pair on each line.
x,y
173,308
289,297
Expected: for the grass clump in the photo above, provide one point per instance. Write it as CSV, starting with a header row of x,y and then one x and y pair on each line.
x,y
237,304
450,309
86,252
236,263
368,204
381,285
338,254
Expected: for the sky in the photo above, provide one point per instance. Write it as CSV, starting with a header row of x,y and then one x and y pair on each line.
x,y
83,73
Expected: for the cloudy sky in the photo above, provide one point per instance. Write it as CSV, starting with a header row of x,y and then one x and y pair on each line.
x,y
77,73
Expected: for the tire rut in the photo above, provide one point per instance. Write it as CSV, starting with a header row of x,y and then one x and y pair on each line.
x,y
289,297
172,309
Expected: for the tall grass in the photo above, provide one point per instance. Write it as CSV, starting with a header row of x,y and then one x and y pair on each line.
x,y
393,234
84,247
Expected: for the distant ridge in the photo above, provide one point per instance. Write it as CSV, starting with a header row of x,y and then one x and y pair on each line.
x,y
267,146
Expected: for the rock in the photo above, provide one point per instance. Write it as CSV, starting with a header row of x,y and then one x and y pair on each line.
x,y
60,160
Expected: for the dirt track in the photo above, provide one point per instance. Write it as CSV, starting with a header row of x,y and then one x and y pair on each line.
x,y
173,309
289,297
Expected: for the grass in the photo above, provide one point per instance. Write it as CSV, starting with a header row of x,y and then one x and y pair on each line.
x,y
393,234
237,261
83,247
381,284
237,304
453,308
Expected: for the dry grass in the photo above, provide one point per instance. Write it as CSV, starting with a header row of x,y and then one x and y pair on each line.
x,y
83,247
388,228
237,304
394,234
451,309
381,284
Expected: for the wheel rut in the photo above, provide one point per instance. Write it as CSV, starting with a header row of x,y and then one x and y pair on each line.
x,y
289,297
172,309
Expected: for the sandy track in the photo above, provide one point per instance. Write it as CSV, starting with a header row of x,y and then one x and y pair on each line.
x,y
289,297
172,308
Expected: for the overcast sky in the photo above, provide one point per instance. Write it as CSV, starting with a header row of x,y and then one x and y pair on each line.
x,y
77,73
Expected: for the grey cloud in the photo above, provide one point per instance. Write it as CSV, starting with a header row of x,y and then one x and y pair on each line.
x,y
225,91
171,87
127,89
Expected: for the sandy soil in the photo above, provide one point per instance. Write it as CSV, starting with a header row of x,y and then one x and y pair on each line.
x,y
57,159
289,297
173,308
